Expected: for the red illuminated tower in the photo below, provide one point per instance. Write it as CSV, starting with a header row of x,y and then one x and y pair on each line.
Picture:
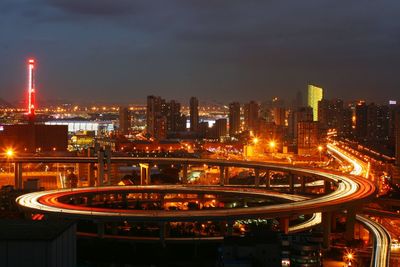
x,y
31,89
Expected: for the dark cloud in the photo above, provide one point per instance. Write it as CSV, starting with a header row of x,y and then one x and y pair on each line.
x,y
122,49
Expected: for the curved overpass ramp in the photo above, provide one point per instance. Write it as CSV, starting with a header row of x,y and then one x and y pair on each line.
x,y
349,191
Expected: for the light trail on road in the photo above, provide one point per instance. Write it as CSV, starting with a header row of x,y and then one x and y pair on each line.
x,y
382,241
357,167
349,190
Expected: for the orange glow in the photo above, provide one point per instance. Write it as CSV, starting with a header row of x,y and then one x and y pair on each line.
x,y
9,152
255,140
272,144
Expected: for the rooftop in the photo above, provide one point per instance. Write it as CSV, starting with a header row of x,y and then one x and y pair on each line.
x,y
13,230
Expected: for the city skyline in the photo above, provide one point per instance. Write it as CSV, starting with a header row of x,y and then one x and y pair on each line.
x,y
199,133
228,52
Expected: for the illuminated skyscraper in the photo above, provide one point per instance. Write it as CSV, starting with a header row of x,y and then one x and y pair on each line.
x,y
31,89
156,119
330,114
124,120
307,139
251,116
221,127
234,118
398,138
296,116
176,122
194,114
361,125
315,94
279,115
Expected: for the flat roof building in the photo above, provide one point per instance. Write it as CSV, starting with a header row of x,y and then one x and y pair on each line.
x,y
26,243
315,94
32,138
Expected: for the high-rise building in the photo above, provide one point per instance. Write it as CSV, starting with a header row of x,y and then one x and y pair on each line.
x,y
176,122
307,139
234,118
160,128
382,124
299,115
279,115
298,102
393,109
373,123
203,129
398,138
330,114
221,127
251,116
155,115
124,120
194,114
315,94
347,126
361,124
164,117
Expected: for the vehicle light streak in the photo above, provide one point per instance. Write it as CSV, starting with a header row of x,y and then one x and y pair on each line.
x,y
382,242
348,190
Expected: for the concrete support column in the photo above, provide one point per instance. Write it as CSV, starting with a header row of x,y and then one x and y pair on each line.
x,y
144,174
114,228
124,200
333,222
163,232
326,228
350,222
226,176
284,224
221,175
91,168
89,200
100,168
291,183
327,186
91,177
100,229
303,184
268,179
257,177
18,175
162,201
184,174
229,229
107,155
222,225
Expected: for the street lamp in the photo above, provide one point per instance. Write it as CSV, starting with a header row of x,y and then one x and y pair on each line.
x,y
255,140
9,152
349,257
320,148
272,144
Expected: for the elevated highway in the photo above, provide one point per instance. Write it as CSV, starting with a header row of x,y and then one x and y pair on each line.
x,y
382,239
350,191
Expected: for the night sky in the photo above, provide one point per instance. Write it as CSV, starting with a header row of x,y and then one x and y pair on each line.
x,y
218,50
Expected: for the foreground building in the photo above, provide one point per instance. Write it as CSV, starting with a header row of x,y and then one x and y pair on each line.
x,y
33,138
37,243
